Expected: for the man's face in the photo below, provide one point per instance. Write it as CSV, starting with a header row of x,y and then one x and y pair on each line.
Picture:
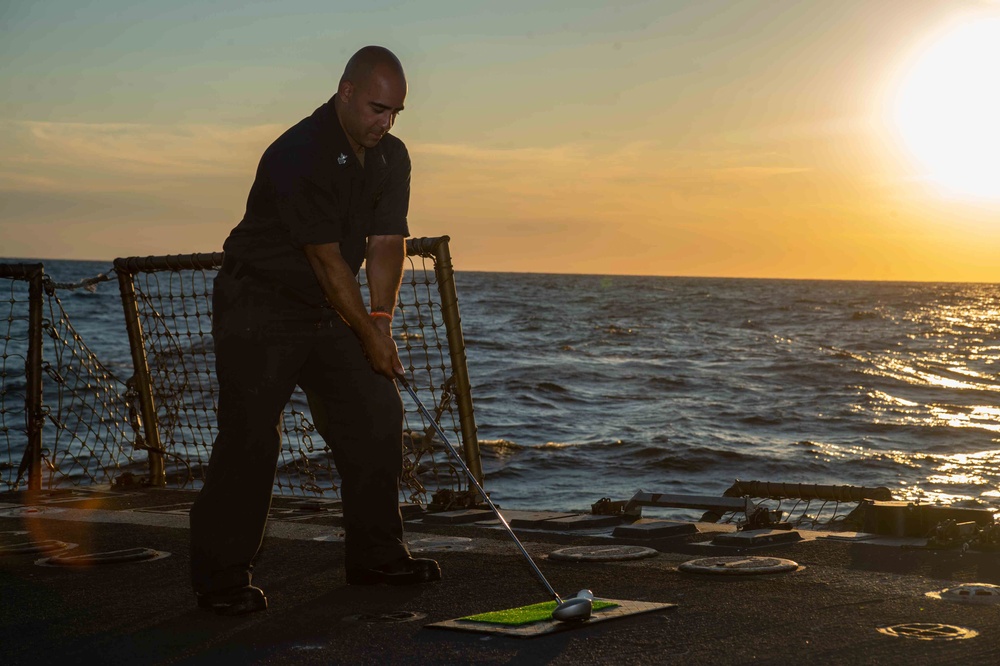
x,y
370,107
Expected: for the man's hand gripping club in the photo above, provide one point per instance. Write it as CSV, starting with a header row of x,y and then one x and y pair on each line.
x,y
384,268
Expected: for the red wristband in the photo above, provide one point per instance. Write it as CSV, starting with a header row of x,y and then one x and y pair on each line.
x,y
381,314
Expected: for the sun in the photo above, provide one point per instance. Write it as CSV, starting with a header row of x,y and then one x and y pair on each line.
x,y
947,108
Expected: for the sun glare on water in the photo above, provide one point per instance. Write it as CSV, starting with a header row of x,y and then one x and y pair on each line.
x,y
947,108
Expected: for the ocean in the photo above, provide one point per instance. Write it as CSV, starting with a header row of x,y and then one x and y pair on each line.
x,y
589,386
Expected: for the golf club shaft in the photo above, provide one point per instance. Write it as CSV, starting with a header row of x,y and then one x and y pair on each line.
x,y
472,479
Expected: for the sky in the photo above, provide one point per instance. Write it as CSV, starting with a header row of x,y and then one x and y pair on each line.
x,y
738,138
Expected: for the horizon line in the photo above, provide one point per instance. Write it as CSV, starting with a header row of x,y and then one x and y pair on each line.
x,y
624,275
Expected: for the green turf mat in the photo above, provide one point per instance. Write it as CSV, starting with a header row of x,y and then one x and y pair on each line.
x,y
527,614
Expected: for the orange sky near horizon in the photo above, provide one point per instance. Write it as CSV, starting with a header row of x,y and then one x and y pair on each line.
x,y
711,138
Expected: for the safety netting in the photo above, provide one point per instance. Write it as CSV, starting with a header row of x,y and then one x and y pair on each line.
x,y
799,505
13,374
81,409
91,410
97,427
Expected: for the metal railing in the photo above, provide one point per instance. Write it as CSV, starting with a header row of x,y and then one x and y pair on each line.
x,y
170,398
31,461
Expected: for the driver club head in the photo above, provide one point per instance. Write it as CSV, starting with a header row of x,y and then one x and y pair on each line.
x,y
576,609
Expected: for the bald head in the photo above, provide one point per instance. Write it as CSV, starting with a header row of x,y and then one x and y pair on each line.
x,y
367,61
370,96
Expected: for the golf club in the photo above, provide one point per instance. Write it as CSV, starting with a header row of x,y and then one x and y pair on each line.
x,y
575,609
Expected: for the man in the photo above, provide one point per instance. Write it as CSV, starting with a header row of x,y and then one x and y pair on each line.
x,y
329,193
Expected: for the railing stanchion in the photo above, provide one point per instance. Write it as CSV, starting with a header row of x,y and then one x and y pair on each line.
x,y
33,377
157,474
445,274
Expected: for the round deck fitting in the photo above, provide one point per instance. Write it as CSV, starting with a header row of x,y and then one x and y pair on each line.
x,y
928,631
386,618
334,538
969,593
99,559
440,544
12,533
33,547
738,566
602,553
29,511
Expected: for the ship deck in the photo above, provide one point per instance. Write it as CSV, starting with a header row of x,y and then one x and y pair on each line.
x,y
827,611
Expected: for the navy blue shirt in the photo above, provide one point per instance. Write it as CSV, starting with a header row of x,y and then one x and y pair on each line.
x,y
311,189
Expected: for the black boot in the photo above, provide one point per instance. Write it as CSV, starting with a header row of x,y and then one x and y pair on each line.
x,y
404,571
234,601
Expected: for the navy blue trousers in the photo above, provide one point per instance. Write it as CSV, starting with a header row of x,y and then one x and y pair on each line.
x,y
265,345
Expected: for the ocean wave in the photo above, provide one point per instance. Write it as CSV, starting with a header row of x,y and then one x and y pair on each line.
x,y
762,420
614,329
499,445
555,445
668,383
699,459
15,385
812,381
535,401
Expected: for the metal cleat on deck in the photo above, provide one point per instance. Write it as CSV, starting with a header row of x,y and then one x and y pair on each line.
x,y
608,507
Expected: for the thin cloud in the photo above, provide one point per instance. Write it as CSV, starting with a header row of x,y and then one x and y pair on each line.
x,y
132,151
212,165
637,161
14,180
44,155
752,172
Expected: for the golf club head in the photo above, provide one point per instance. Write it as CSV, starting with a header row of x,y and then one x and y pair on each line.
x,y
576,609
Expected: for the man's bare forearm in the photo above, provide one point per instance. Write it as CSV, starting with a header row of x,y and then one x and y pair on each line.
x,y
342,291
340,287
384,268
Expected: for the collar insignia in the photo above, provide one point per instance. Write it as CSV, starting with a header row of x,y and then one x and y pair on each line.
x,y
342,159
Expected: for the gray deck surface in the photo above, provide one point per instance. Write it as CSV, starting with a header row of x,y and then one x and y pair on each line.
x,y
827,612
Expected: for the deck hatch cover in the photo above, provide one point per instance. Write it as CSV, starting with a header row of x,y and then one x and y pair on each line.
x,y
602,553
736,565
969,593
928,631
87,560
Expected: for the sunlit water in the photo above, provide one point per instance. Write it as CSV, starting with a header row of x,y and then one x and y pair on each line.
x,y
588,386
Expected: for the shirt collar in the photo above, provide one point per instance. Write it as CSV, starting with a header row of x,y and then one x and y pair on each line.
x,y
336,142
